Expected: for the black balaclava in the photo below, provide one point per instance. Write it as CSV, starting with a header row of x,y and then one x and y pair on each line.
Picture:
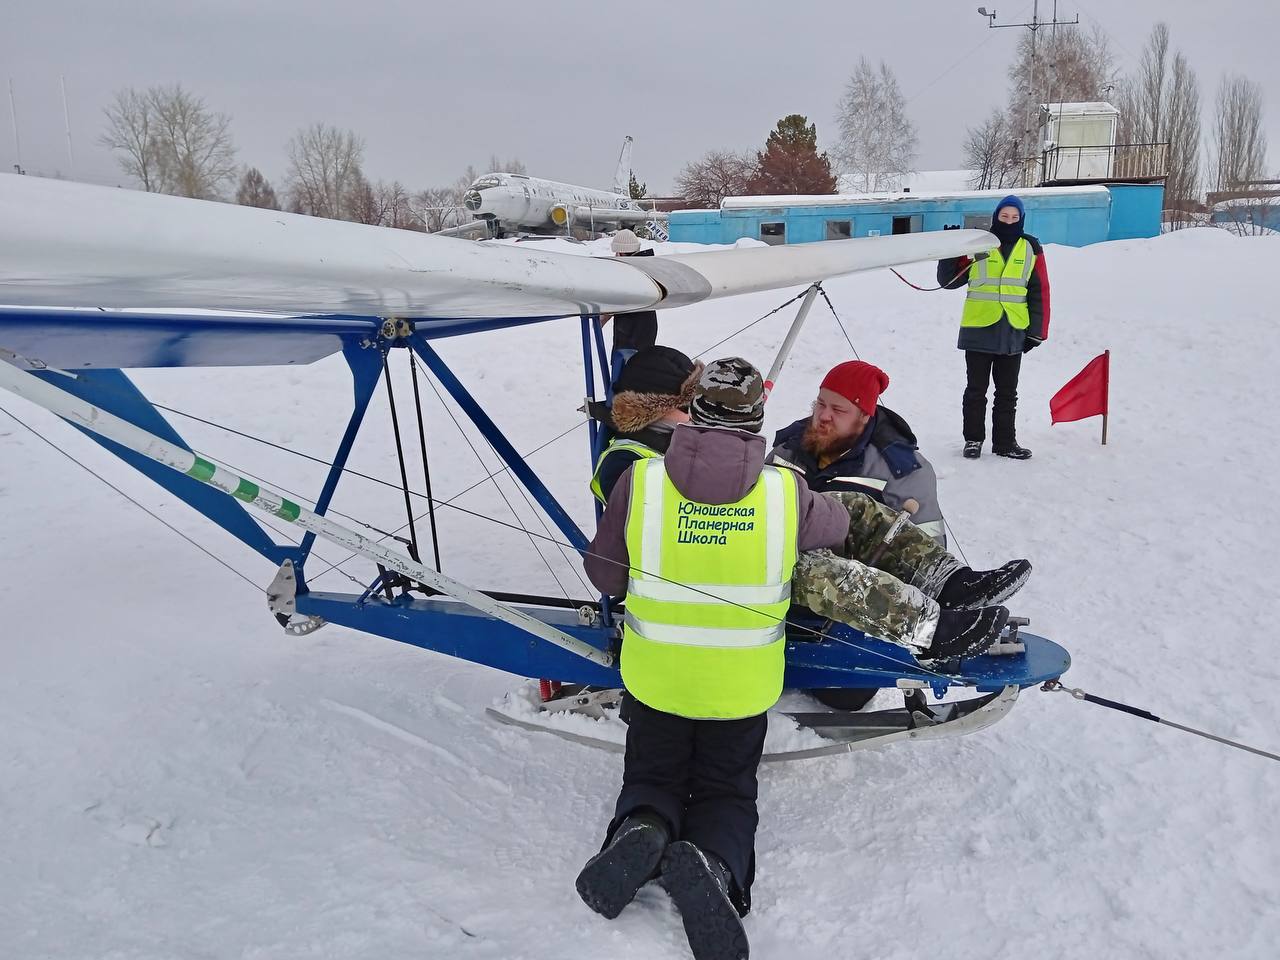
x,y
1008,233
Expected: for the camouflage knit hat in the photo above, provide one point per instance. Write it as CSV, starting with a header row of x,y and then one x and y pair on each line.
x,y
730,393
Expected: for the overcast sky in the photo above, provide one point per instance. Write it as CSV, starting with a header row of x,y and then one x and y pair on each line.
x,y
433,87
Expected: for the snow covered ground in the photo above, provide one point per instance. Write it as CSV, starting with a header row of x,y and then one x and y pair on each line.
x,y
178,778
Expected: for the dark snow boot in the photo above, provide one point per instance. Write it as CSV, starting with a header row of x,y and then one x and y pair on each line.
x,y
972,449
611,878
965,633
969,589
698,882
1013,452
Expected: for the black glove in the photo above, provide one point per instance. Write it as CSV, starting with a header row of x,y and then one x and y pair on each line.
x,y
1030,344
951,226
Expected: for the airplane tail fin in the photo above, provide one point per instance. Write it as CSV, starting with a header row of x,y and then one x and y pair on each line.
x,y
622,176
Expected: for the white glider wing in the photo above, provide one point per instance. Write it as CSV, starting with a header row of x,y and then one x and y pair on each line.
x,y
74,245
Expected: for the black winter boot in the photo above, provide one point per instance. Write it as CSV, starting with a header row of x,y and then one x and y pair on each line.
x,y
969,589
698,882
1013,452
611,878
965,633
972,449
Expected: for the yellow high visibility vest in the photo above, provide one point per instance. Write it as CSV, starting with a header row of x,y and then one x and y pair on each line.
x,y
707,594
641,450
999,288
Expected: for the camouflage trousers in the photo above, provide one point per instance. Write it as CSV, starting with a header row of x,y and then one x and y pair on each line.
x,y
889,596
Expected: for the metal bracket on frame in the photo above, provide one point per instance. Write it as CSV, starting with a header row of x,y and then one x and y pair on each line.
x,y
282,600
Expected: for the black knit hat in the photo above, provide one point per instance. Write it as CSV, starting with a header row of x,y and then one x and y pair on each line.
x,y
730,393
653,382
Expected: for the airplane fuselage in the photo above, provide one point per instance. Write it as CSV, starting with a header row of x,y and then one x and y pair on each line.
x,y
521,203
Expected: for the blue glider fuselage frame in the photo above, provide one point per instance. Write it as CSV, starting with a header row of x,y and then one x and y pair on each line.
x,y
845,658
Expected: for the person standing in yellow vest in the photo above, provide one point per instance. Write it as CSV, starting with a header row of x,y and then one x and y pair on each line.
x,y
1006,313
703,542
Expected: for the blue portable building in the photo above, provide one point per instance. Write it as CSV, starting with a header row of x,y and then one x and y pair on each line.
x,y
1072,215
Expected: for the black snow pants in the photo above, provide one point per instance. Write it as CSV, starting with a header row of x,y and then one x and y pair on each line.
x,y
700,776
1003,370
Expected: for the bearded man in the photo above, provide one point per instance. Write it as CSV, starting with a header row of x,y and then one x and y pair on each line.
x,y
852,443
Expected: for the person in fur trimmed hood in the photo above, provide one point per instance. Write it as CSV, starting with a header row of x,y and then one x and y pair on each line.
x,y
652,395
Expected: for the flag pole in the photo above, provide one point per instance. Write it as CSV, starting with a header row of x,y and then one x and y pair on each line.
x,y
1106,386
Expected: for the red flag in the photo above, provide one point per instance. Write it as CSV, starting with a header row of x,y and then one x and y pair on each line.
x,y
1085,394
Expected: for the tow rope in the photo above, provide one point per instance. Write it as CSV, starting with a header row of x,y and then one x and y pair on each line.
x,y
941,286
1053,686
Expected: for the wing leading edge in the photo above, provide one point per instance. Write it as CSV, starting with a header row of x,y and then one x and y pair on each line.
x,y
119,278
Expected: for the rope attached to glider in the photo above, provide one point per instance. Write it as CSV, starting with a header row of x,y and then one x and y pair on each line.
x,y
941,286
1054,686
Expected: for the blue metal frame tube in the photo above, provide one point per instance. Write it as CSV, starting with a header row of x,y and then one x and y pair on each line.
x,y
365,366
509,455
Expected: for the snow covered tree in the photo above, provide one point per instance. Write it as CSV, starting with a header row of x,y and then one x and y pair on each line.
x,y
636,189
790,162
171,142
1239,140
324,170
877,145
705,182
255,191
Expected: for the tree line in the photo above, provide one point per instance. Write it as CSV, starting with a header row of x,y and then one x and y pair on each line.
x,y
170,141
1159,102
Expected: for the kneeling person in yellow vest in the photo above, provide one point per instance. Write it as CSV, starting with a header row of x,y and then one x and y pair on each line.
x,y
703,542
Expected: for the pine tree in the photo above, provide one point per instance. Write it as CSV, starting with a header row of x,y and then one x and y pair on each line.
x,y
256,191
637,189
790,162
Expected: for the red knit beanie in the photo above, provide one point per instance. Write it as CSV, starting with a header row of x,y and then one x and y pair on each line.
x,y
859,382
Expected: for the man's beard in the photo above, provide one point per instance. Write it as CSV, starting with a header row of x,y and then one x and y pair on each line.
x,y
823,443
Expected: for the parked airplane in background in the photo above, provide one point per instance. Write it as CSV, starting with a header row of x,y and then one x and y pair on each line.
x,y
504,204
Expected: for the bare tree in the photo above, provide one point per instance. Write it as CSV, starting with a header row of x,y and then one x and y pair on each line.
x,y
197,158
1240,144
396,205
130,133
324,170
514,165
1182,185
991,152
255,191
1151,86
877,145
171,142
705,182
1248,216
441,207
1068,67
1160,103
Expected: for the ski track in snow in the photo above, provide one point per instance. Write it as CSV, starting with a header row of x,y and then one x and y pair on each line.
x,y
178,778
